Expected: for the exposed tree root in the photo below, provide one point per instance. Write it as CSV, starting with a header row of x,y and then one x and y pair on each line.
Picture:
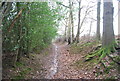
x,y
113,60
101,53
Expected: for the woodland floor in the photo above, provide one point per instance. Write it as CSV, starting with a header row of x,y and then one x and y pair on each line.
x,y
73,66
59,61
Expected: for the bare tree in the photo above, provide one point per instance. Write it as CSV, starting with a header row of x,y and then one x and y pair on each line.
x,y
65,34
81,22
69,31
90,28
119,17
66,27
78,30
71,24
108,32
72,21
98,20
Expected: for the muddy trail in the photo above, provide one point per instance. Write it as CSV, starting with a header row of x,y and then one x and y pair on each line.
x,y
52,65
59,64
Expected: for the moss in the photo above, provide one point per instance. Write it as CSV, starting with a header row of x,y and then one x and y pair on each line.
x,y
94,53
112,63
101,52
117,58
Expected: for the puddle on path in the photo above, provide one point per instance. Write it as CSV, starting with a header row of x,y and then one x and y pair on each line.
x,y
54,65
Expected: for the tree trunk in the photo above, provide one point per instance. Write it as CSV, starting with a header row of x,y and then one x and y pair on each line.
x,y
72,23
108,32
69,26
98,20
119,18
69,31
90,29
27,33
65,34
78,30
1,16
19,50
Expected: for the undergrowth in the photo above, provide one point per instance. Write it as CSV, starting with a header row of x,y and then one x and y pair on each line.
x,y
22,70
78,48
22,73
95,57
81,64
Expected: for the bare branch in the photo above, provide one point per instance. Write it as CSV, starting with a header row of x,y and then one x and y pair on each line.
x,y
82,31
63,5
13,22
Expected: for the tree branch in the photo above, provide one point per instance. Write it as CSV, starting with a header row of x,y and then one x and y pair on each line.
x,y
13,22
63,5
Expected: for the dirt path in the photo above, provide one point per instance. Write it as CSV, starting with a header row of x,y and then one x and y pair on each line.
x,y
52,65
59,64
